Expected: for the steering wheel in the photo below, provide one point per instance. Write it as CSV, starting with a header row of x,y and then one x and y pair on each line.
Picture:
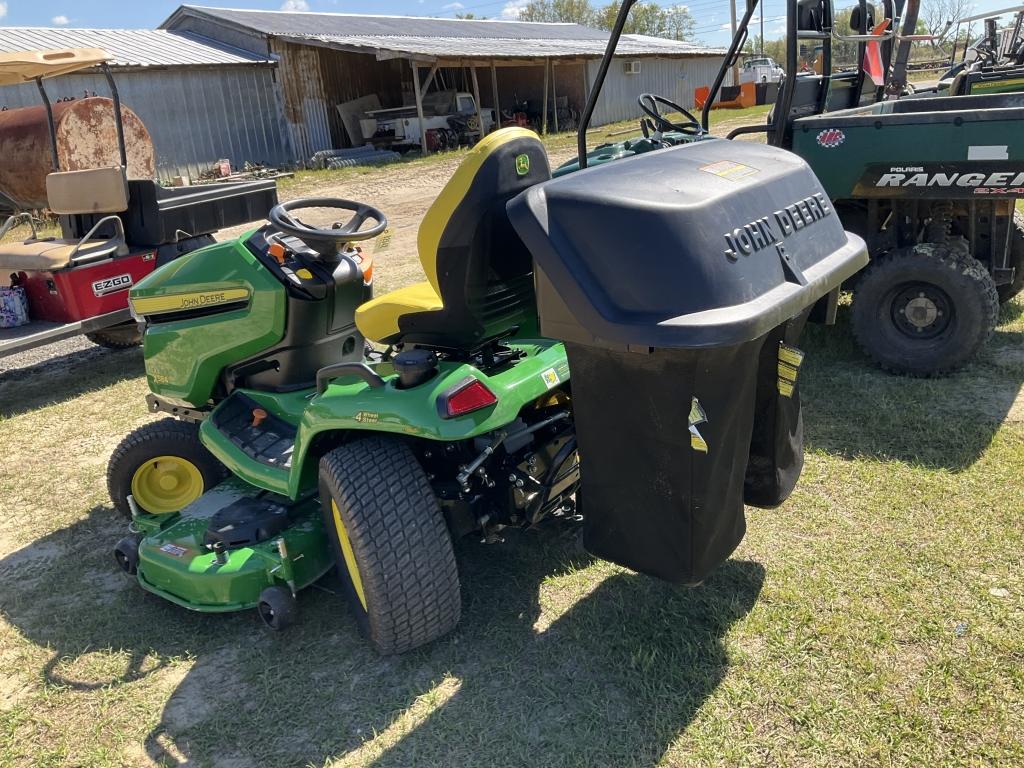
x,y
650,102
328,242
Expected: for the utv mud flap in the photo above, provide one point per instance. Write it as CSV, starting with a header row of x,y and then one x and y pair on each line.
x,y
680,281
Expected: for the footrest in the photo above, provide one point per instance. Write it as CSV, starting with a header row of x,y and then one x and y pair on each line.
x,y
258,434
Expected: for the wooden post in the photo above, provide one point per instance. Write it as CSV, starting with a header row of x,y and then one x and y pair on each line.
x,y
476,95
419,107
554,94
494,90
544,106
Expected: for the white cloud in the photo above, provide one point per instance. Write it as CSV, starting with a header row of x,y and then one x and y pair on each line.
x,y
3,10
452,7
294,5
513,8
60,21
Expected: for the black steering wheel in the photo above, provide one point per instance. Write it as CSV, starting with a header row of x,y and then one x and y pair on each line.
x,y
650,103
328,242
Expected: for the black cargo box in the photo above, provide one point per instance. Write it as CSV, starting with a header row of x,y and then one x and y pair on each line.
x,y
157,215
680,281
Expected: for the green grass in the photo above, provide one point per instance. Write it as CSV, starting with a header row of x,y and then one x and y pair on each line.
x,y
874,619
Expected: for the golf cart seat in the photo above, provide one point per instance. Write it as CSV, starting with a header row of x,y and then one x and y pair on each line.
x,y
91,191
479,274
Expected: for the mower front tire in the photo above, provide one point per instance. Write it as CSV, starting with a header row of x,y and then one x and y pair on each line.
x,y
392,546
924,310
163,466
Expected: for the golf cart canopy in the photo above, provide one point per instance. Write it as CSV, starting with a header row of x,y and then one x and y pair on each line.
x,y
28,66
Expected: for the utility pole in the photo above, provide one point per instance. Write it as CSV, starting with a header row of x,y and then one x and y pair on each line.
x,y
735,66
761,48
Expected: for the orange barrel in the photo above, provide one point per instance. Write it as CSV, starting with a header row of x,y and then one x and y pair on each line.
x,y
86,138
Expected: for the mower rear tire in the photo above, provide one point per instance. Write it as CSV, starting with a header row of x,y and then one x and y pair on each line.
x,y
163,466
118,336
1015,286
392,545
924,310
277,608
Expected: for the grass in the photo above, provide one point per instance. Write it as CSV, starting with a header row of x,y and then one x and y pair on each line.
x,y
874,619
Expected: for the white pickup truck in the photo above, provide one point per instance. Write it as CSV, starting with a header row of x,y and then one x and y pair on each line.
x,y
449,120
761,70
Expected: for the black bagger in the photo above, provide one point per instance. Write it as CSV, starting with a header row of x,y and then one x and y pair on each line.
x,y
680,281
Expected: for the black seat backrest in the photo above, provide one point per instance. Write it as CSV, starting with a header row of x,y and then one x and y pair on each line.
x,y
472,256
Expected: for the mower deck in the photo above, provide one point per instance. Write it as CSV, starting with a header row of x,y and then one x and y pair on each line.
x,y
177,563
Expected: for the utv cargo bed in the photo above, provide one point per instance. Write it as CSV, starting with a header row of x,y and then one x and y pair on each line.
x,y
945,147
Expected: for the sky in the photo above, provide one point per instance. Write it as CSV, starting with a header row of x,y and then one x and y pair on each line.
x,y
712,16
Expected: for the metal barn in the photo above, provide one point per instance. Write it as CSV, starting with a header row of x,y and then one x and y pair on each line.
x,y
328,59
201,100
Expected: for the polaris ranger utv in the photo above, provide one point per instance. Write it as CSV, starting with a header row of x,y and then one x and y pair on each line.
x,y
929,183
574,338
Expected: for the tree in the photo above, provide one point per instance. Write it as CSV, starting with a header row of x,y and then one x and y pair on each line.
x,y
573,11
940,17
649,18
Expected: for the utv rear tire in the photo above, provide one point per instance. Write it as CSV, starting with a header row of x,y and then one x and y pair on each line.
x,y
391,543
925,310
117,337
164,438
1011,289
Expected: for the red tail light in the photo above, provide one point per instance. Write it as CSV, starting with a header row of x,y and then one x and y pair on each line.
x,y
465,397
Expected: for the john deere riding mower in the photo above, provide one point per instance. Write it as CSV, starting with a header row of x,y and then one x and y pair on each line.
x,y
679,282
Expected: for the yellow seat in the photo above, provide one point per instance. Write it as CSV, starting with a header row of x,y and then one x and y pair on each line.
x,y
479,274
377,319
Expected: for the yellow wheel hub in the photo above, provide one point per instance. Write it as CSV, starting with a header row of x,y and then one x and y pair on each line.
x,y
166,484
348,553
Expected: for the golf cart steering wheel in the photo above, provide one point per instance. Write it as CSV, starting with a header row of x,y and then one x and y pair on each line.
x,y
328,242
650,102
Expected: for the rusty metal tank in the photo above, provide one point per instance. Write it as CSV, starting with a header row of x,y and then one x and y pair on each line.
x,y
86,138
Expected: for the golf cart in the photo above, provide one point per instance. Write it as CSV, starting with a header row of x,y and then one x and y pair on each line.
x,y
574,339
929,183
117,224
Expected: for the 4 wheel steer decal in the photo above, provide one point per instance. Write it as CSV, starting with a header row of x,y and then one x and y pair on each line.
x,y
112,285
966,179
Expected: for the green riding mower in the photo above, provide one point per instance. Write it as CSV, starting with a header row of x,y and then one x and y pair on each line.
x,y
617,348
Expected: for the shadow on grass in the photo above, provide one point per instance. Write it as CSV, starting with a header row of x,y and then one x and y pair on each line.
x,y
64,377
612,680
854,409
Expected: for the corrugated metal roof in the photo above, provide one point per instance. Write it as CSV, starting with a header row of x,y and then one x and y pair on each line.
x,y
439,38
290,23
131,47
387,46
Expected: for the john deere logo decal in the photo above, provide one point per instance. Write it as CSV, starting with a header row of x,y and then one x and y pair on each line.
x,y
831,138
523,164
